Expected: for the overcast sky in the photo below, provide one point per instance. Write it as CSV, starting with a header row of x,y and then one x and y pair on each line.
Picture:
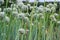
x,y
43,0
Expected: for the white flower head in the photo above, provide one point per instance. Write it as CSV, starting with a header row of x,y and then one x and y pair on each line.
x,y
41,6
2,14
21,16
0,9
6,19
55,14
24,8
20,5
26,19
34,15
53,9
1,2
40,14
7,9
58,22
28,5
31,7
50,5
15,13
14,9
53,18
27,15
21,31
55,4
18,1
41,10
13,5
47,9
42,17
3,34
10,1
32,24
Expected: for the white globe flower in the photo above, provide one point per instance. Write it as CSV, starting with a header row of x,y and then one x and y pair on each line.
x,y
34,15
15,13
21,16
2,14
47,9
3,34
58,22
41,10
28,5
1,2
41,15
21,31
53,9
24,8
55,14
27,15
0,9
14,9
18,1
31,7
50,5
10,1
41,6
20,5
26,19
6,19
55,4
7,9
52,17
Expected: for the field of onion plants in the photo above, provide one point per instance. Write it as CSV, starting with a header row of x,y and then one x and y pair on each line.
x,y
26,22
